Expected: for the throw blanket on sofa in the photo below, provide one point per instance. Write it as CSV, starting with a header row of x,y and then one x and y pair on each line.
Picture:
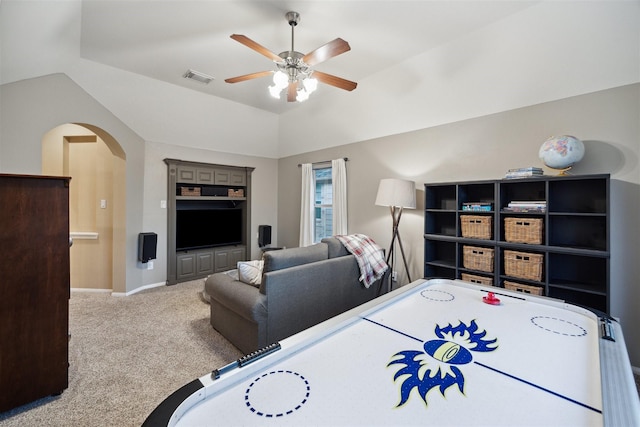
x,y
368,255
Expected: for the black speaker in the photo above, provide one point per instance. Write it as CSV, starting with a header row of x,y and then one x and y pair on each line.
x,y
264,235
147,243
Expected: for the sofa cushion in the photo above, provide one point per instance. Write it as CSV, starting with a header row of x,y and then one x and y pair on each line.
x,y
336,248
285,258
250,272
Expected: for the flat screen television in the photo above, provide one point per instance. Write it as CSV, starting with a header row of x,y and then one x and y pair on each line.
x,y
203,228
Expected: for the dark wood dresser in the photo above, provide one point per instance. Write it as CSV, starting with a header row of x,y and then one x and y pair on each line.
x,y
34,288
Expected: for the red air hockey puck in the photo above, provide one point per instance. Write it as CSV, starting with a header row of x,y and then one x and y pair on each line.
x,y
491,299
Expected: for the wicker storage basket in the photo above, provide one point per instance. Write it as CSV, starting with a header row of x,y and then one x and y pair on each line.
x,y
523,265
189,191
523,230
476,258
474,278
520,287
476,226
235,193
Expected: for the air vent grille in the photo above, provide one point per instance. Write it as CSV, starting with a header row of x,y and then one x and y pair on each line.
x,y
197,76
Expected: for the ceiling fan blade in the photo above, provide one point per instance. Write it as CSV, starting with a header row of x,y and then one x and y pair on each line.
x,y
256,46
334,81
248,77
327,51
292,92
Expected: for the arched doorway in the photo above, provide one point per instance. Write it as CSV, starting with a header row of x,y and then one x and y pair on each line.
x,y
96,164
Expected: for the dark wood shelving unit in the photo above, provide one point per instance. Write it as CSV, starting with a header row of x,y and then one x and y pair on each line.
x,y
575,246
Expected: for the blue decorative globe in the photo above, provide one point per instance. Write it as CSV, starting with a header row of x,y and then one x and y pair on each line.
x,y
561,152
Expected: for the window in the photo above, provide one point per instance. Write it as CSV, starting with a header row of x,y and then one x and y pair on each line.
x,y
323,209
323,203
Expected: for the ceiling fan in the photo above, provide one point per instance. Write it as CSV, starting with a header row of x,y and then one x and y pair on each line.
x,y
295,70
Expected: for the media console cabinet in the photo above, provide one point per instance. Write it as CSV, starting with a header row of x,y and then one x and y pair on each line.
x,y
219,241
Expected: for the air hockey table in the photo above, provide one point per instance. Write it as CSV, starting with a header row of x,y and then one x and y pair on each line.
x,y
435,352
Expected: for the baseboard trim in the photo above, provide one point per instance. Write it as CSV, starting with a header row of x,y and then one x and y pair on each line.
x,y
91,290
136,290
119,294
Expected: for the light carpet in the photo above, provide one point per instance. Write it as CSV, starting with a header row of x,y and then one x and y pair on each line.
x,y
127,354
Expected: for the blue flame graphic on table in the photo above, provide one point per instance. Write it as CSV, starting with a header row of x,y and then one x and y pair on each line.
x,y
440,370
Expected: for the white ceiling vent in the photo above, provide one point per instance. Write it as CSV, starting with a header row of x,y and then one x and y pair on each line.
x,y
197,76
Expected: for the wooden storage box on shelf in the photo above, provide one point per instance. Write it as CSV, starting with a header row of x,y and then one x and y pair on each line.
x,y
476,226
524,265
190,191
523,230
474,278
477,258
520,287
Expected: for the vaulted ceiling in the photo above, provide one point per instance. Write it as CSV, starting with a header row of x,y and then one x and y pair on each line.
x,y
163,39
428,62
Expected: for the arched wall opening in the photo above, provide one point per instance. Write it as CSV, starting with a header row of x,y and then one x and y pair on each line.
x,y
96,163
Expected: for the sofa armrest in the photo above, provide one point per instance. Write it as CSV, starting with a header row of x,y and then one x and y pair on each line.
x,y
246,300
335,247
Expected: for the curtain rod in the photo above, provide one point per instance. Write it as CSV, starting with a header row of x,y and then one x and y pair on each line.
x,y
346,159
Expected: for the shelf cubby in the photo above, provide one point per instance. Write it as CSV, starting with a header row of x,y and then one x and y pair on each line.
x,y
580,273
443,198
571,195
483,192
586,232
526,190
441,222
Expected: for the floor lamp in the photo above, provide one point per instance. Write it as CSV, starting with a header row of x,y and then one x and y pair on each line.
x,y
397,194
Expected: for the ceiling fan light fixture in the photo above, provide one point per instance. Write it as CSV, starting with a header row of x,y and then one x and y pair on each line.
x,y
302,96
198,76
310,84
275,91
280,79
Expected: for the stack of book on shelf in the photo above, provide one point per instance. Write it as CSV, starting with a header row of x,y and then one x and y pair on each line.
x,y
527,206
523,172
477,206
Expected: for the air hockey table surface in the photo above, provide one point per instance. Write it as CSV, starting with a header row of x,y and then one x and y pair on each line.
x,y
433,352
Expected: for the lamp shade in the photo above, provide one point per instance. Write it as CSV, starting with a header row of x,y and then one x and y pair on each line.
x,y
396,192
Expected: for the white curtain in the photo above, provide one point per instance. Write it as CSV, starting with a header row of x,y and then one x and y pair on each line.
x,y
339,180
306,206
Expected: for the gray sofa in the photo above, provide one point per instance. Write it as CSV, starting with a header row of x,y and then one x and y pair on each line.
x,y
300,287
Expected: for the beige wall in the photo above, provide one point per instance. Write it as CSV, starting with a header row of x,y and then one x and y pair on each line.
x,y
484,148
75,151
31,108
90,169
